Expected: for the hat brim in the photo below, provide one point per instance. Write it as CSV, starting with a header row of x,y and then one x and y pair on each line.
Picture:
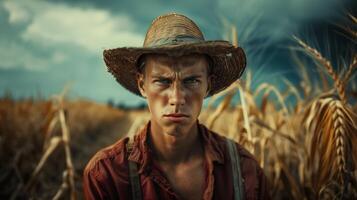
x,y
228,62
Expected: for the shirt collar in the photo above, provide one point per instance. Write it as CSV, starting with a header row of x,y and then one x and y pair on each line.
x,y
141,152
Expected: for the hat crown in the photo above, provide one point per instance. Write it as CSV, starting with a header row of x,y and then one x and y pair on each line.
x,y
171,29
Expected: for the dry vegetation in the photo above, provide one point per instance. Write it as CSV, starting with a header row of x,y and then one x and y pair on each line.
x,y
34,154
308,151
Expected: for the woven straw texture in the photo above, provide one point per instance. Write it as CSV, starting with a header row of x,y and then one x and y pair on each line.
x,y
176,35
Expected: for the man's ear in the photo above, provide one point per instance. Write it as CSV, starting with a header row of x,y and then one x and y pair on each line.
x,y
140,82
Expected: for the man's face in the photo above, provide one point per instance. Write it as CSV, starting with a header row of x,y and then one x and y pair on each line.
x,y
174,88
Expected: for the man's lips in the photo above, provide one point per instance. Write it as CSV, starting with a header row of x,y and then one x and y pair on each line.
x,y
176,117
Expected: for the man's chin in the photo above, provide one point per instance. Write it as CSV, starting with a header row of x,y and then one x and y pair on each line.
x,y
176,130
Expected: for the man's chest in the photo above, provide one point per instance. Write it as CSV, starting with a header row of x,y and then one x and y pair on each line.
x,y
187,180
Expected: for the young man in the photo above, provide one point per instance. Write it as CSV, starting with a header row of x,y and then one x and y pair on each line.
x,y
174,156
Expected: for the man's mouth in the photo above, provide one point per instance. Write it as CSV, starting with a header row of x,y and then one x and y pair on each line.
x,y
176,117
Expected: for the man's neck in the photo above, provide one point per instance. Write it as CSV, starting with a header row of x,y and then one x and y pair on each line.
x,y
175,149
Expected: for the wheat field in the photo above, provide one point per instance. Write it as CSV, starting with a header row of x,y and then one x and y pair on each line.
x,y
308,149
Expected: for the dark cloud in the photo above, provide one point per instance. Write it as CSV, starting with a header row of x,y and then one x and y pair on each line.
x,y
203,12
265,30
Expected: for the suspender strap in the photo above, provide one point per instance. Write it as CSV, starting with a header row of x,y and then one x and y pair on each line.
x,y
133,174
236,170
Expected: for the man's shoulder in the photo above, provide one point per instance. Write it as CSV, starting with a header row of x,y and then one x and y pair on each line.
x,y
109,156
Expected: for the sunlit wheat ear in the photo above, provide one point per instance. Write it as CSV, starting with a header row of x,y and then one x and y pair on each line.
x,y
327,64
353,33
267,88
333,125
350,69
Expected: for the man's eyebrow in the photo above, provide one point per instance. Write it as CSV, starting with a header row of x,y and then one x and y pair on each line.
x,y
168,76
193,76
160,76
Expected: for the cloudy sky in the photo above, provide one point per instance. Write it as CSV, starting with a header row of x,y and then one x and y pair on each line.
x,y
45,45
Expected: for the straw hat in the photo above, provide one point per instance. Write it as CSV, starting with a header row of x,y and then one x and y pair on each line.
x,y
176,35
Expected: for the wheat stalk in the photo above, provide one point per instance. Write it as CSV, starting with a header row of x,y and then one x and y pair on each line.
x,y
248,81
351,67
352,32
69,163
353,18
327,64
225,92
234,36
270,129
270,88
323,80
293,89
236,118
54,142
63,186
245,109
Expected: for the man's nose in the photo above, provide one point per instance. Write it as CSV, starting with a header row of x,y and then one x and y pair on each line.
x,y
177,95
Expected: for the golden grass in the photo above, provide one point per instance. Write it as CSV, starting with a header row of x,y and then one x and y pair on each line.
x,y
308,150
34,164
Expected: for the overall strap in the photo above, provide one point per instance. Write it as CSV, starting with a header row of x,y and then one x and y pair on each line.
x,y
133,173
236,170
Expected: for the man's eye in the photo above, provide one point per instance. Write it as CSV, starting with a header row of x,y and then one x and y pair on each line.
x,y
163,81
191,81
